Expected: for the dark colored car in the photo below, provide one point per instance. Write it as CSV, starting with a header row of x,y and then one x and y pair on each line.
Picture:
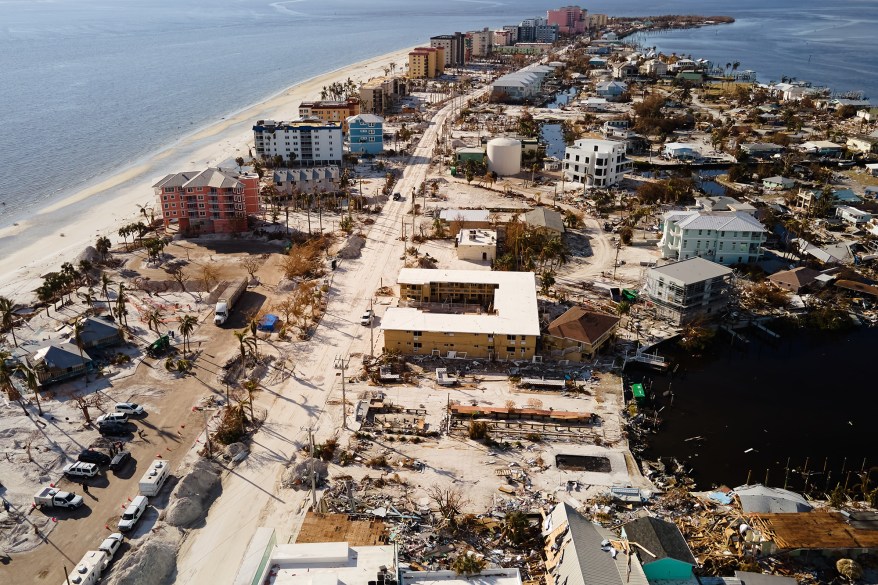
x,y
397,196
113,428
120,460
92,456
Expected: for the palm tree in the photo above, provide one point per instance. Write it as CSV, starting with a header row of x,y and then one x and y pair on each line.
x,y
254,327
32,383
243,342
124,232
7,316
187,326
77,338
250,386
121,310
154,319
103,247
105,288
6,376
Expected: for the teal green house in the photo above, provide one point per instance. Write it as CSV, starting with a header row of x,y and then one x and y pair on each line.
x,y
672,561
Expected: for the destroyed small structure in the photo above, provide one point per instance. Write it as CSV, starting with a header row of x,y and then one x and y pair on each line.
x,y
684,291
579,333
99,332
459,219
672,558
464,313
59,361
794,280
820,532
762,499
485,577
579,552
542,218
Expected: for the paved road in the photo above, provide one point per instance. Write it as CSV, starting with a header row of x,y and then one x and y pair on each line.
x,y
212,555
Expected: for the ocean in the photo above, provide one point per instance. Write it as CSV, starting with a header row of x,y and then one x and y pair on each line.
x,y
92,86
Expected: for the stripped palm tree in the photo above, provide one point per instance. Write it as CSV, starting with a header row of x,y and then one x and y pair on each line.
x,y
77,339
7,317
105,288
32,383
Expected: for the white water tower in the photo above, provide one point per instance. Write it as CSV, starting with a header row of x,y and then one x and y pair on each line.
x,y
504,156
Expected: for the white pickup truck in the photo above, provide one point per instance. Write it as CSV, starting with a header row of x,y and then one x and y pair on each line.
x,y
49,496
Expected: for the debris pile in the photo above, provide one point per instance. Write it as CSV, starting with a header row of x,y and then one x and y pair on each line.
x,y
151,563
191,497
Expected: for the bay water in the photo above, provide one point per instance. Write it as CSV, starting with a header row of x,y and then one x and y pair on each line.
x,y
92,86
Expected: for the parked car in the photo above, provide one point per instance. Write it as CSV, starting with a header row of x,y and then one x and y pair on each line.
x,y
113,417
120,460
366,319
111,544
130,408
133,513
397,196
80,469
113,428
92,456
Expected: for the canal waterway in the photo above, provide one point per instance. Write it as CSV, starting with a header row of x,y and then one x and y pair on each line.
x,y
551,133
747,408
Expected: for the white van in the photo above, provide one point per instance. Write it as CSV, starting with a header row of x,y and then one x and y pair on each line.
x,y
152,481
133,513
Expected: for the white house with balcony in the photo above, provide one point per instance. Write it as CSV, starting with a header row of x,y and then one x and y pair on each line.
x,y
852,215
598,163
724,237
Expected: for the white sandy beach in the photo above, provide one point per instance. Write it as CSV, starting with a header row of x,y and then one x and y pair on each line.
x,y
61,231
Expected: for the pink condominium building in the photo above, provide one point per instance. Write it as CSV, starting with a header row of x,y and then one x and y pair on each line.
x,y
571,20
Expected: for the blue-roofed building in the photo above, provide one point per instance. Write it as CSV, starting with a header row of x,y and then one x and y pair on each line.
x,y
365,134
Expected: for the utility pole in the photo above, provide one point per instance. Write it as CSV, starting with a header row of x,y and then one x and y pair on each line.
x,y
616,260
207,432
341,363
371,330
66,576
313,478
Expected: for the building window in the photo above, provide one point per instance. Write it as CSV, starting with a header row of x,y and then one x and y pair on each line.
x,y
418,345
510,349
418,333
510,337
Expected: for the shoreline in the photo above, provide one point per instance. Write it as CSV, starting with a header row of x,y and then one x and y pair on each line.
x,y
62,229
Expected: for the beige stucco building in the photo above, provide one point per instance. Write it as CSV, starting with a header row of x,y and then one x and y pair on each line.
x,y
476,245
464,313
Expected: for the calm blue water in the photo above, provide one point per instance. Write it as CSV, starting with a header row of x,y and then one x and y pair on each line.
x,y
89,86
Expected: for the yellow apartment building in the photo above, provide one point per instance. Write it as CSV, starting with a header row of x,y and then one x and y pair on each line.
x,y
426,62
464,313
330,111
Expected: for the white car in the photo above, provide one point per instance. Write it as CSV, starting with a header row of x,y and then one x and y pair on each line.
x,y
111,544
366,319
133,513
80,469
119,417
130,408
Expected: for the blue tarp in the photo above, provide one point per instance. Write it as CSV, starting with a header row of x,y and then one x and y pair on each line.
x,y
268,322
721,497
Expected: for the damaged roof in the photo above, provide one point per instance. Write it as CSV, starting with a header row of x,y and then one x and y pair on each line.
x,y
582,558
760,499
580,324
661,538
